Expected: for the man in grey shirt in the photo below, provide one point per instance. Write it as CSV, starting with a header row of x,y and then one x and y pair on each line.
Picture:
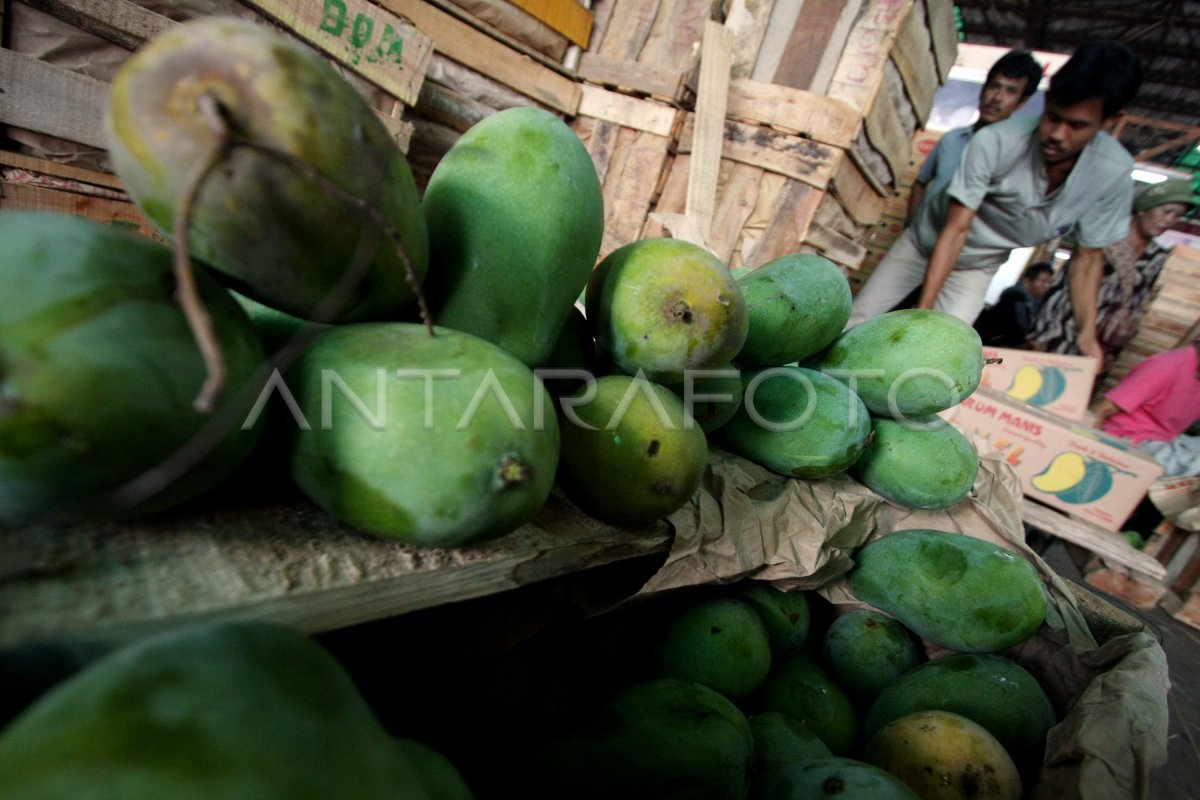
x,y
1023,182
1010,82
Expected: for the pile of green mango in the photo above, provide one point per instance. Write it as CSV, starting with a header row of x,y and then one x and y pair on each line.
x,y
429,368
747,691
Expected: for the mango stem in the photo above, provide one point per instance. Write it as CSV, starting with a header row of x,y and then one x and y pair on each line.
x,y
198,318
389,230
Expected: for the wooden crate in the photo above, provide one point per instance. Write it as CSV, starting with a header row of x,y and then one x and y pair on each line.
x,y
895,209
646,47
630,142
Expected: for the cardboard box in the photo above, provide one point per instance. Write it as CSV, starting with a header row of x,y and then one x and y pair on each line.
x,y
1079,470
1059,384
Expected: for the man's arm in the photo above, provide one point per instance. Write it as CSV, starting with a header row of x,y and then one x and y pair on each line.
x,y
1102,409
946,252
1086,270
914,200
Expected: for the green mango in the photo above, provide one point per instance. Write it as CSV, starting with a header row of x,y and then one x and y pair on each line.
x,y
437,441
273,231
515,217
800,688
662,739
798,422
945,756
907,363
712,396
239,710
866,652
918,463
720,643
780,740
436,776
99,371
277,329
990,689
631,454
834,777
952,589
784,614
573,358
797,305
661,307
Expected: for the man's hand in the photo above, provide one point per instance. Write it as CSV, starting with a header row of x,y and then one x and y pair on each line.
x,y
946,252
1102,410
1088,346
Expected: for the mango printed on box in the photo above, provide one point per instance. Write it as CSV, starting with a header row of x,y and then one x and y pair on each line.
x,y
1060,384
1079,470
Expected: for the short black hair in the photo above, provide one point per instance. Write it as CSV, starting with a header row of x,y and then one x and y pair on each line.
x,y
1036,269
1103,68
1018,64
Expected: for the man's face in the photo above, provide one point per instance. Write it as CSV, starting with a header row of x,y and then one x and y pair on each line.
x,y
1065,130
1038,286
1001,96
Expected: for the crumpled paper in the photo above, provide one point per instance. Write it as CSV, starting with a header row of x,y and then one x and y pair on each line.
x,y
1107,679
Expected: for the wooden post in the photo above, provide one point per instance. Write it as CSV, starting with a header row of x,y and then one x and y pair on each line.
x,y
710,124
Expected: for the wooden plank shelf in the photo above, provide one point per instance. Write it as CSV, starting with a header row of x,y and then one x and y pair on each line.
x,y
287,562
1110,546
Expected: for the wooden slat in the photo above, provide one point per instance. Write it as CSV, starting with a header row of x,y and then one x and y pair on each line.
x,y
289,564
511,25
677,31
628,192
122,22
709,124
837,43
790,215
450,108
654,81
467,46
1112,547
855,193
784,14
914,60
887,134
793,156
628,29
627,111
736,198
747,20
21,161
810,38
50,99
943,34
383,48
118,214
565,16
835,246
860,69
599,137
824,119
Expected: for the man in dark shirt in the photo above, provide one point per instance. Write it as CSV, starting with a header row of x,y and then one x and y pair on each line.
x,y
1006,323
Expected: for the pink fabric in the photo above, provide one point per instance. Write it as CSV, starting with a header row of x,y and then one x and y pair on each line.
x,y
1159,398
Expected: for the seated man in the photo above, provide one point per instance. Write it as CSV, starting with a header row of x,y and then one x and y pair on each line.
x,y
1154,405
1006,323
